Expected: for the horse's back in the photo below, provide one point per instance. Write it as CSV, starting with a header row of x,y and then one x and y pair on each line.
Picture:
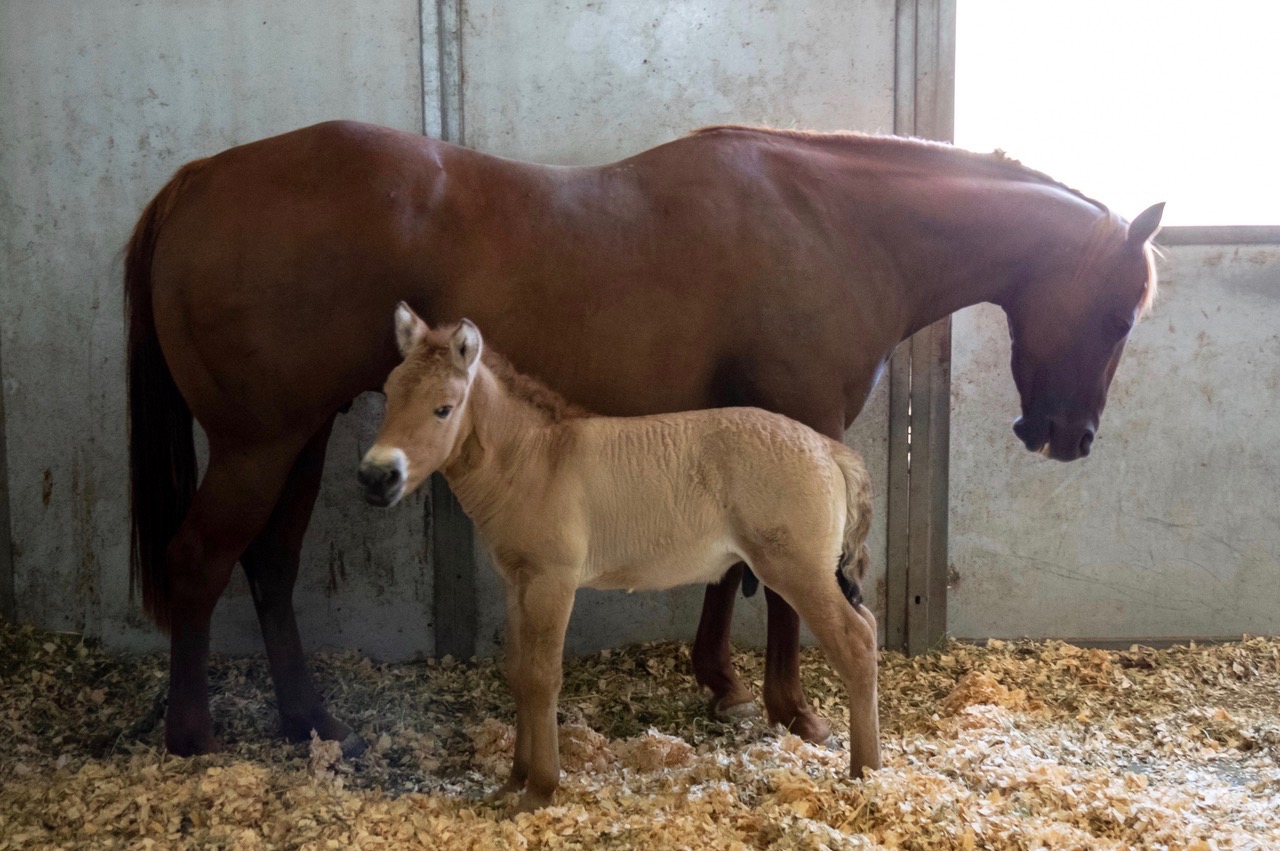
x,y
683,277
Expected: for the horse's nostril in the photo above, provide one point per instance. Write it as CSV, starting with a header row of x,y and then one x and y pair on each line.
x,y
393,475
1086,441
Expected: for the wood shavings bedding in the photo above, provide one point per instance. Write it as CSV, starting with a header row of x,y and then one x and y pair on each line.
x,y
1012,745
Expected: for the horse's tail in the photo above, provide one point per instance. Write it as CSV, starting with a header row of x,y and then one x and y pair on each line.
x,y
162,458
855,556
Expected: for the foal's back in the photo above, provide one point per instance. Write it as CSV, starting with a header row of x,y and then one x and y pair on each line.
x,y
677,499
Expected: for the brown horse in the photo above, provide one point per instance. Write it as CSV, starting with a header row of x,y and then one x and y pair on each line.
x,y
638,503
731,267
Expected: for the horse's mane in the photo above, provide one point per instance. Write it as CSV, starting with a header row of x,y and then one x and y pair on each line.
x,y
530,390
997,162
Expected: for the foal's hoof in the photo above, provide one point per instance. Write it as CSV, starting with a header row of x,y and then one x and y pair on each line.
x,y
531,801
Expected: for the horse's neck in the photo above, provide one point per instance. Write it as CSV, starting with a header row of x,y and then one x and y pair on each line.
x,y
499,432
955,238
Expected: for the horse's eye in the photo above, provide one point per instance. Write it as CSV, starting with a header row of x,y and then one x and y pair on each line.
x,y
443,411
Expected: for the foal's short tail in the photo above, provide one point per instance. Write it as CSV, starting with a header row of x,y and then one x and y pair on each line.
x,y
855,557
162,459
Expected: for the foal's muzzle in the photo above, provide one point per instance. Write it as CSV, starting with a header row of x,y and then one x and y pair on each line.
x,y
383,478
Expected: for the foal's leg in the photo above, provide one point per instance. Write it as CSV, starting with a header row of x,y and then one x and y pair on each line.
x,y
712,665
520,767
848,637
271,564
229,508
545,601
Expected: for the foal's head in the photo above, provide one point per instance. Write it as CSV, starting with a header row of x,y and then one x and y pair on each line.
x,y
426,406
1069,328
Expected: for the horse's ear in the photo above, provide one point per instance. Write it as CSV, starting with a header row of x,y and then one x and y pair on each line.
x,y
409,329
465,345
1146,224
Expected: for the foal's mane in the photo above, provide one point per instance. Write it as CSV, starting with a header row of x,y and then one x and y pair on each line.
x,y
529,390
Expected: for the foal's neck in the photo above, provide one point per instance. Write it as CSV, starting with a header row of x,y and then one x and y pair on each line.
x,y
501,436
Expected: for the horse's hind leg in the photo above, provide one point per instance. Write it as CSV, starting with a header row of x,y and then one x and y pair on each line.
x,y
784,699
229,508
271,564
712,663
848,637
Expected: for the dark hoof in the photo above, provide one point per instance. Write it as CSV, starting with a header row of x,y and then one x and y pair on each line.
x,y
192,743
353,746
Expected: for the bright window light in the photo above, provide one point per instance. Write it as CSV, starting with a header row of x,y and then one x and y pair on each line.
x,y
1131,101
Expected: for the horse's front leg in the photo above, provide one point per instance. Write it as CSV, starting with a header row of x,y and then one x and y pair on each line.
x,y
712,659
545,600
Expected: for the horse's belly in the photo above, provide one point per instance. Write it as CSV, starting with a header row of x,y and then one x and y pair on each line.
x,y
690,564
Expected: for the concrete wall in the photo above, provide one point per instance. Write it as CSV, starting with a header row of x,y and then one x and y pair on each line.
x,y
1171,527
101,106
99,109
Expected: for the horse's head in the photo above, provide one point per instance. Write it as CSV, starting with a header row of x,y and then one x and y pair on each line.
x,y
1069,328
426,407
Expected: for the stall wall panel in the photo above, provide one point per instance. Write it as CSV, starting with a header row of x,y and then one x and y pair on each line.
x,y
590,82
1171,527
101,108
101,103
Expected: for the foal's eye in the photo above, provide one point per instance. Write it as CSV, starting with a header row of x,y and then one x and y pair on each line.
x,y
443,411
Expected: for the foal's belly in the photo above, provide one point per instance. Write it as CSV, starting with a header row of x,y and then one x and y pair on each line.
x,y
667,567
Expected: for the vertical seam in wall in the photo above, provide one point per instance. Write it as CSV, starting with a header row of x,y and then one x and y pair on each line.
x,y
449,73
8,585
422,67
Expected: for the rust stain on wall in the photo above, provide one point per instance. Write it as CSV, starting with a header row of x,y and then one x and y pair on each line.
x,y
337,570
83,498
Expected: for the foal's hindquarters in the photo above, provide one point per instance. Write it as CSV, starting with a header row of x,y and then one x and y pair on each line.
x,y
655,502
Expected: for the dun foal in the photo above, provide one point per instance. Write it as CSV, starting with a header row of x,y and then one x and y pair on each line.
x,y
566,500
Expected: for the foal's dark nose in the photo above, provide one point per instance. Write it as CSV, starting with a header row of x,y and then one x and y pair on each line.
x,y
381,483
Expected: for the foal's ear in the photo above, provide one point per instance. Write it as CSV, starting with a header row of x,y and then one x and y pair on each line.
x,y
409,329
1146,224
465,345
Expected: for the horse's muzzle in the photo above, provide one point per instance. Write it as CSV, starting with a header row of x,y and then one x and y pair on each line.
x,y
1053,439
383,484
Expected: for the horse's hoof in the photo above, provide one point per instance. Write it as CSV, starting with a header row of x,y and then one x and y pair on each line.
x,y
353,746
736,712
192,744
807,725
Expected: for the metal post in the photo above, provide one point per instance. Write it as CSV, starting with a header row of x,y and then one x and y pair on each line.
x,y
451,534
920,372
